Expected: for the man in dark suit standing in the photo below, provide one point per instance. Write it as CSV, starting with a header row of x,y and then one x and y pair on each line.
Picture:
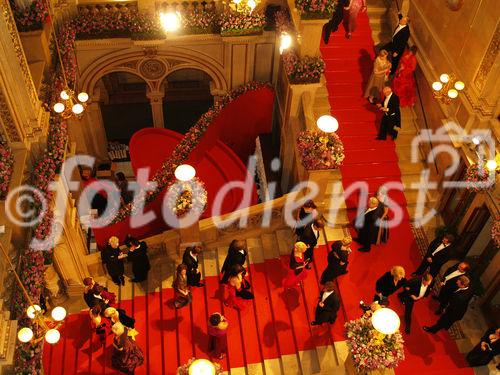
x,y
414,290
457,306
190,259
328,305
398,43
449,284
236,254
367,233
438,253
391,120
310,237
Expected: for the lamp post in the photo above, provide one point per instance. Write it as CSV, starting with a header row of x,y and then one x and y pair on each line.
x,y
49,327
447,88
185,172
327,124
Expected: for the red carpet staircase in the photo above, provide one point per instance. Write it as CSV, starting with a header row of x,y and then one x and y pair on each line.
x,y
348,66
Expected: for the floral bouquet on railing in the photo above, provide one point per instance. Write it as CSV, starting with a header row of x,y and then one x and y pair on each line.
x,y
495,232
186,196
320,150
6,169
302,70
236,24
315,9
478,178
31,17
370,349
199,22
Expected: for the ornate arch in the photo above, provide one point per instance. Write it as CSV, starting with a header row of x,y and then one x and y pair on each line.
x,y
151,65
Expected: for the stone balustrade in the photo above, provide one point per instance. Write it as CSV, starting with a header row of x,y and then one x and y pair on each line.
x,y
107,7
187,6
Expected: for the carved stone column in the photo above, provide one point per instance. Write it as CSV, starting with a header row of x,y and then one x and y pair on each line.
x,y
156,100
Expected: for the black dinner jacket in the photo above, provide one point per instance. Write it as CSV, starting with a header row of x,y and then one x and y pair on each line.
x,y
459,301
309,236
452,281
394,112
400,40
342,255
189,261
385,284
440,257
331,303
234,257
414,285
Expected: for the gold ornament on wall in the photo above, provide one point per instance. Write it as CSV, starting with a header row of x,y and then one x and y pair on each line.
x,y
455,5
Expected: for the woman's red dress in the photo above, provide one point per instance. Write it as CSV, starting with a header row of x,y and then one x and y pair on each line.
x,y
295,275
404,80
233,300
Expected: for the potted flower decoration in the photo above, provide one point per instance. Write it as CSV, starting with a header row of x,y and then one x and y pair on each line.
x,y
370,349
495,232
6,169
199,22
184,197
239,24
478,178
320,150
316,9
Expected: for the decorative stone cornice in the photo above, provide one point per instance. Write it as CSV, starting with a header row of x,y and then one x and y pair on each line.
x,y
488,60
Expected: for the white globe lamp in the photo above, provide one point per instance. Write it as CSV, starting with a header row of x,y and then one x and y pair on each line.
x,y
25,334
83,97
59,108
328,124
251,4
459,85
64,95
170,21
436,86
452,93
285,41
32,310
185,172
77,109
201,367
52,336
491,165
444,78
58,313
385,321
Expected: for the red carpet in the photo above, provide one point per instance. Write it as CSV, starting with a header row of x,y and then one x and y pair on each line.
x,y
348,66
275,324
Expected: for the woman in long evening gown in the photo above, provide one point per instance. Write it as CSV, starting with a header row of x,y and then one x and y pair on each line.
x,y
183,296
404,80
337,260
379,77
127,355
217,333
351,16
297,271
238,289
383,215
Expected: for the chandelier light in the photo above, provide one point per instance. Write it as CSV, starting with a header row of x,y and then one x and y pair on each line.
x,y
185,172
385,321
491,165
201,367
285,42
447,88
170,21
327,124
71,105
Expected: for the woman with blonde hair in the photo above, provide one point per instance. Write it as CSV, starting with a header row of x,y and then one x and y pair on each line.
x,y
383,216
379,77
113,259
238,288
119,316
367,228
127,355
297,271
337,260
389,283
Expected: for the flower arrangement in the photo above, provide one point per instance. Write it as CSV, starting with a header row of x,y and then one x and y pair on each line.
x,y
477,178
165,175
370,349
28,356
6,169
184,369
236,24
199,22
495,231
186,196
303,70
31,17
316,9
320,150
283,22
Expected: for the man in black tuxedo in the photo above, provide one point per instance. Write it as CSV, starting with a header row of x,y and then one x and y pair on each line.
x,y
328,305
449,284
310,237
457,306
367,234
414,290
438,253
190,259
398,43
236,254
391,120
